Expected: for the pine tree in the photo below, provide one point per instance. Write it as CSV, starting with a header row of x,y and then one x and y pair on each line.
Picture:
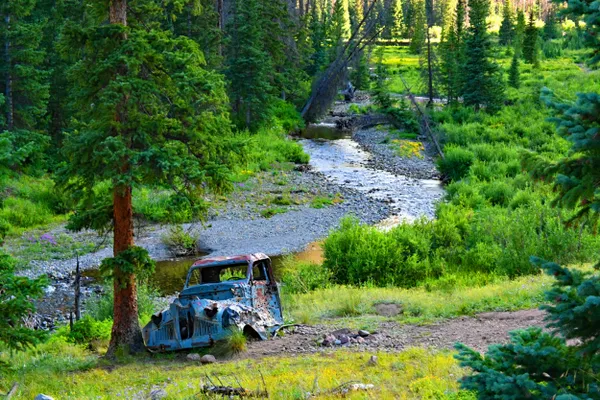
x,y
538,364
520,32
397,25
337,31
248,64
147,112
591,15
551,27
317,28
360,73
23,80
428,60
506,28
530,42
420,26
483,86
514,78
452,55
16,295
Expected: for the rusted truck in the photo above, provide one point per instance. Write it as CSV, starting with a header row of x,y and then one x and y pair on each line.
x,y
220,294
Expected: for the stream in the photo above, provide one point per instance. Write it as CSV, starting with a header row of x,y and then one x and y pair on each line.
x,y
341,160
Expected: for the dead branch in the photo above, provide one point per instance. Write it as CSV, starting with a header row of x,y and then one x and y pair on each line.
x,y
424,118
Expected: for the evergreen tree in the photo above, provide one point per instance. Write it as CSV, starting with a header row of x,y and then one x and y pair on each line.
x,y
530,42
248,64
319,58
336,31
428,60
590,11
538,364
514,78
551,27
23,80
483,86
520,32
381,93
16,295
360,73
147,112
420,27
452,55
506,28
397,25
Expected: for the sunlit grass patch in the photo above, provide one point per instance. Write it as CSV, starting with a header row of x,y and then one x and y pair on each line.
x,y
413,373
422,304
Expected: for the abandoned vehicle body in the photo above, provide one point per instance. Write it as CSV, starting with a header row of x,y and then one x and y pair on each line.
x,y
220,294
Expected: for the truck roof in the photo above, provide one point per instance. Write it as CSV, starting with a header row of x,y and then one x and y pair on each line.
x,y
225,260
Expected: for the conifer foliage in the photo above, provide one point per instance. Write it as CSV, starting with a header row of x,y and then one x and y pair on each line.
x,y
531,48
148,113
483,86
16,294
506,33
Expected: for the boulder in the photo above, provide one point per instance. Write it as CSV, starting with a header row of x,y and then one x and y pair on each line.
x,y
158,394
208,359
373,360
363,333
194,357
43,397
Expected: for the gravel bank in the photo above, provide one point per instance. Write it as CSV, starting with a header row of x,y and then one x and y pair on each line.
x,y
384,156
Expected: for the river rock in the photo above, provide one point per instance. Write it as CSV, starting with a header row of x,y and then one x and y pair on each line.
x,y
363,333
208,359
158,394
373,360
43,397
194,357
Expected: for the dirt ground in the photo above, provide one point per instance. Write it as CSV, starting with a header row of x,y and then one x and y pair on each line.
x,y
477,332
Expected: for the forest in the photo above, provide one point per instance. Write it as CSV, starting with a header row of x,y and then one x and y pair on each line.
x,y
423,174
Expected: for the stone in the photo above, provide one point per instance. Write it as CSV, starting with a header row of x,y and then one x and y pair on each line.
x,y
373,360
360,340
363,333
337,342
193,357
43,397
158,394
208,359
344,339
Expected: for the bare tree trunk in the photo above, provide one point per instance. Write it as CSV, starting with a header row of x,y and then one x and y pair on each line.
x,y
126,333
10,108
301,8
429,70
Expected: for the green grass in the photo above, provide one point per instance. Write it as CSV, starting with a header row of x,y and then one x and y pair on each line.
x,y
272,211
324,201
436,300
67,371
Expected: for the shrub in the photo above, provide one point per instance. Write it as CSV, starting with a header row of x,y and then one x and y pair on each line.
x,y
24,213
457,162
498,193
88,329
180,242
303,277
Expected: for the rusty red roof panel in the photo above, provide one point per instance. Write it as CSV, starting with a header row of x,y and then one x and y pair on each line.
x,y
242,258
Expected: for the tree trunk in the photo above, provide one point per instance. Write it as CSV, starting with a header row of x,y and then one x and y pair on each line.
x,y
429,69
126,334
126,331
10,108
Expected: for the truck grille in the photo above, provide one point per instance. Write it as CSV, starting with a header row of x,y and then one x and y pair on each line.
x,y
203,327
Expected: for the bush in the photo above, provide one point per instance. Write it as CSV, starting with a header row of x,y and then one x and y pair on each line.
x,y
180,242
457,162
303,277
358,254
24,213
88,329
